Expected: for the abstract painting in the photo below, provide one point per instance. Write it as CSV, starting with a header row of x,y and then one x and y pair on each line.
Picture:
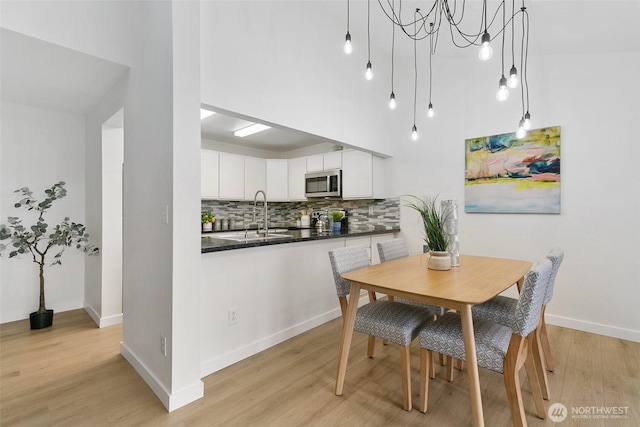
x,y
504,174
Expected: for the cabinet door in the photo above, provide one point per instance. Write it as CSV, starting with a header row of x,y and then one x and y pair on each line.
x,y
277,181
231,184
209,174
297,168
255,176
315,163
357,174
332,160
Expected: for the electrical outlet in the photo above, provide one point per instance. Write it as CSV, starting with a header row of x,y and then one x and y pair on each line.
x,y
233,315
370,210
163,345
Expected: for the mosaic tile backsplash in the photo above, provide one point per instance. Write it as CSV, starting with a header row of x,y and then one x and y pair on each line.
x,y
361,214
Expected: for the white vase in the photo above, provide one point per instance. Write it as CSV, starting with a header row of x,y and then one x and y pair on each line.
x,y
439,260
206,226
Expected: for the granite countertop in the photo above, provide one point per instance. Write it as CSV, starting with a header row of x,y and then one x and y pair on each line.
x,y
210,243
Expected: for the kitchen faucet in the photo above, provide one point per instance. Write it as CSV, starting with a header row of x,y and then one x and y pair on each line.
x,y
255,200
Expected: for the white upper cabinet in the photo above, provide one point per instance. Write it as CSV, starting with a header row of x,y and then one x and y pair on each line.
x,y
332,160
297,169
231,184
255,176
324,162
315,163
362,175
209,174
277,180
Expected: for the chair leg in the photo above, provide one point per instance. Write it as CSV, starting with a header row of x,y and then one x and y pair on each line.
x,y
544,340
534,383
538,361
513,361
371,345
426,359
449,375
432,365
405,364
441,359
459,364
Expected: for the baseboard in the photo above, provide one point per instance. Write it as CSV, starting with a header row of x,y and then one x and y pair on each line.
x,y
208,367
22,314
171,401
102,322
592,327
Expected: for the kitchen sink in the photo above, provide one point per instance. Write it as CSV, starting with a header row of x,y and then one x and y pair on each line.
x,y
253,237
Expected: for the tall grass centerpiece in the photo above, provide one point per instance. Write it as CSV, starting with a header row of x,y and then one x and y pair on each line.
x,y
436,238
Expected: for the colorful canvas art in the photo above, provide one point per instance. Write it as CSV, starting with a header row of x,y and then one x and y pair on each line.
x,y
504,174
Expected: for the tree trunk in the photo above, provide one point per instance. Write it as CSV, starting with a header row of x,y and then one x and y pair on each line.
x,y
42,309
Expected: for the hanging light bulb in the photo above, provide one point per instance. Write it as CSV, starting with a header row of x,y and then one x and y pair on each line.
x,y
521,132
430,111
503,92
414,133
392,101
513,77
369,73
486,51
347,44
527,121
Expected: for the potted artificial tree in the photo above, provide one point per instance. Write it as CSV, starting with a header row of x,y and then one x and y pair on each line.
x,y
40,237
435,235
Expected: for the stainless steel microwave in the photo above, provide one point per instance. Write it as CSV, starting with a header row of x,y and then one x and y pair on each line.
x,y
323,184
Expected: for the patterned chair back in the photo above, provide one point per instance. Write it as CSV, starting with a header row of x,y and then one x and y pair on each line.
x,y
556,256
344,260
392,249
527,314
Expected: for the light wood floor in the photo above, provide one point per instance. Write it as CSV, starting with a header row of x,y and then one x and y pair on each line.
x,y
73,375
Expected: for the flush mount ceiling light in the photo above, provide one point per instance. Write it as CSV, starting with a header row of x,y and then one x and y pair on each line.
x,y
205,113
449,16
250,130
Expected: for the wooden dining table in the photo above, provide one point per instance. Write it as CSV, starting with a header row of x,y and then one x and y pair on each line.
x,y
476,280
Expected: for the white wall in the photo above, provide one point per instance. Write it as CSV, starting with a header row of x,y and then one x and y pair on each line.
x,y
161,197
40,148
97,28
112,161
290,70
103,303
269,60
597,285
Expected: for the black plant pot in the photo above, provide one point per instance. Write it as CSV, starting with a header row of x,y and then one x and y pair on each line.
x,y
42,320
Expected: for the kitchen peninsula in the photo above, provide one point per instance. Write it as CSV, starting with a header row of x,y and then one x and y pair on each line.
x,y
211,243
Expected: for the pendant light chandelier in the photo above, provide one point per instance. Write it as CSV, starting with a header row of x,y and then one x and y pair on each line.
x,y
449,15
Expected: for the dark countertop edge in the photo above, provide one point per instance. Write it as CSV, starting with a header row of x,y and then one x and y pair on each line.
x,y
218,245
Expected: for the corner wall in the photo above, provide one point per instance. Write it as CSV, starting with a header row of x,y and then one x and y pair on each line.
x,y
40,148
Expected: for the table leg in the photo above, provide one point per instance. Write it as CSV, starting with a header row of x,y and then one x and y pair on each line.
x,y
347,333
472,365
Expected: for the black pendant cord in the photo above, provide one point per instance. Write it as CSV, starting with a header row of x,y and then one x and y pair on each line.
x,y
393,45
513,25
369,30
415,69
430,59
503,34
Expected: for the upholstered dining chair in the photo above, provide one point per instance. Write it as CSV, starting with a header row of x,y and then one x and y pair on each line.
x,y
388,320
500,309
394,249
397,248
499,348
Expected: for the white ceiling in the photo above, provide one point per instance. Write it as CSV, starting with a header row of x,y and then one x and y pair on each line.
x,y
278,139
41,74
